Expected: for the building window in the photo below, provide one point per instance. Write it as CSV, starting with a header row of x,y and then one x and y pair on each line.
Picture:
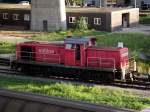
x,y
97,21
5,15
26,17
72,19
15,16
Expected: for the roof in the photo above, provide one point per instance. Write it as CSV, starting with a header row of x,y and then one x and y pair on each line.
x,y
15,6
68,9
77,40
95,10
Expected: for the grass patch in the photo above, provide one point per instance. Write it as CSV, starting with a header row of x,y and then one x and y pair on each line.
x,y
93,94
7,47
136,42
145,19
143,66
60,35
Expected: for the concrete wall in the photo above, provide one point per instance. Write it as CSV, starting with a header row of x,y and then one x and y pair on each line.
x,y
52,11
117,23
134,17
116,20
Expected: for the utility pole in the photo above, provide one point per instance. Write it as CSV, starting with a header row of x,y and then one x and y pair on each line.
x,y
134,3
100,3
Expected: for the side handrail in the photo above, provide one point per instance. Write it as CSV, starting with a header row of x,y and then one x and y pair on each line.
x,y
31,54
101,62
112,59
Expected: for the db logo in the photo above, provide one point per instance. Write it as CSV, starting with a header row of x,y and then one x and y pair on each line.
x,y
46,51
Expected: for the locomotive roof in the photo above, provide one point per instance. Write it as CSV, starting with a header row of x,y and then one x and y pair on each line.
x,y
77,40
58,43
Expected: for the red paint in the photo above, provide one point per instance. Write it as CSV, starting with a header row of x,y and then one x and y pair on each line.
x,y
107,57
90,56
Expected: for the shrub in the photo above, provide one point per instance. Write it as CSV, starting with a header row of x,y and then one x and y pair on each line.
x,y
81,24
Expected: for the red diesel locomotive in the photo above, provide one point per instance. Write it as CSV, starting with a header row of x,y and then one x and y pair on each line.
x,y
77,57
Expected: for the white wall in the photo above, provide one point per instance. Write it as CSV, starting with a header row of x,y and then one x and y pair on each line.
x,y
116,17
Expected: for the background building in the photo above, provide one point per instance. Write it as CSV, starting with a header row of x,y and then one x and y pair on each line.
x,y
15,15
103,19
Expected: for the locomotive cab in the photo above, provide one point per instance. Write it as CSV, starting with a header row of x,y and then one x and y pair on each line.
x,y
75,50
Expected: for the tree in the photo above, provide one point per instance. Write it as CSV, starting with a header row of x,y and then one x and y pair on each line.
x,y
127,2
72,2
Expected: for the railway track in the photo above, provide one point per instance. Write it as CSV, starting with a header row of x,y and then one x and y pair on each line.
x,y
144,85
135,85
4,61
11,101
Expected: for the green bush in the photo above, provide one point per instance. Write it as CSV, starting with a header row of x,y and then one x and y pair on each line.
x,y
145,19
62,34
6,47
81,24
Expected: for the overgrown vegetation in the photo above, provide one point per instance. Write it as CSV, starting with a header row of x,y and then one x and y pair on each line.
x,y
81,24
99,95
143,66
136,42
6,47
145,19
60,35
127,2
74,2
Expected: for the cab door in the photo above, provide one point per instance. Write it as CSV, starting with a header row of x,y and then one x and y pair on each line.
x,y
73,55
78,55
70,55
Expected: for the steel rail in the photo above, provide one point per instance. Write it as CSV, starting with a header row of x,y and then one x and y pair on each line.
x,y
133,85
